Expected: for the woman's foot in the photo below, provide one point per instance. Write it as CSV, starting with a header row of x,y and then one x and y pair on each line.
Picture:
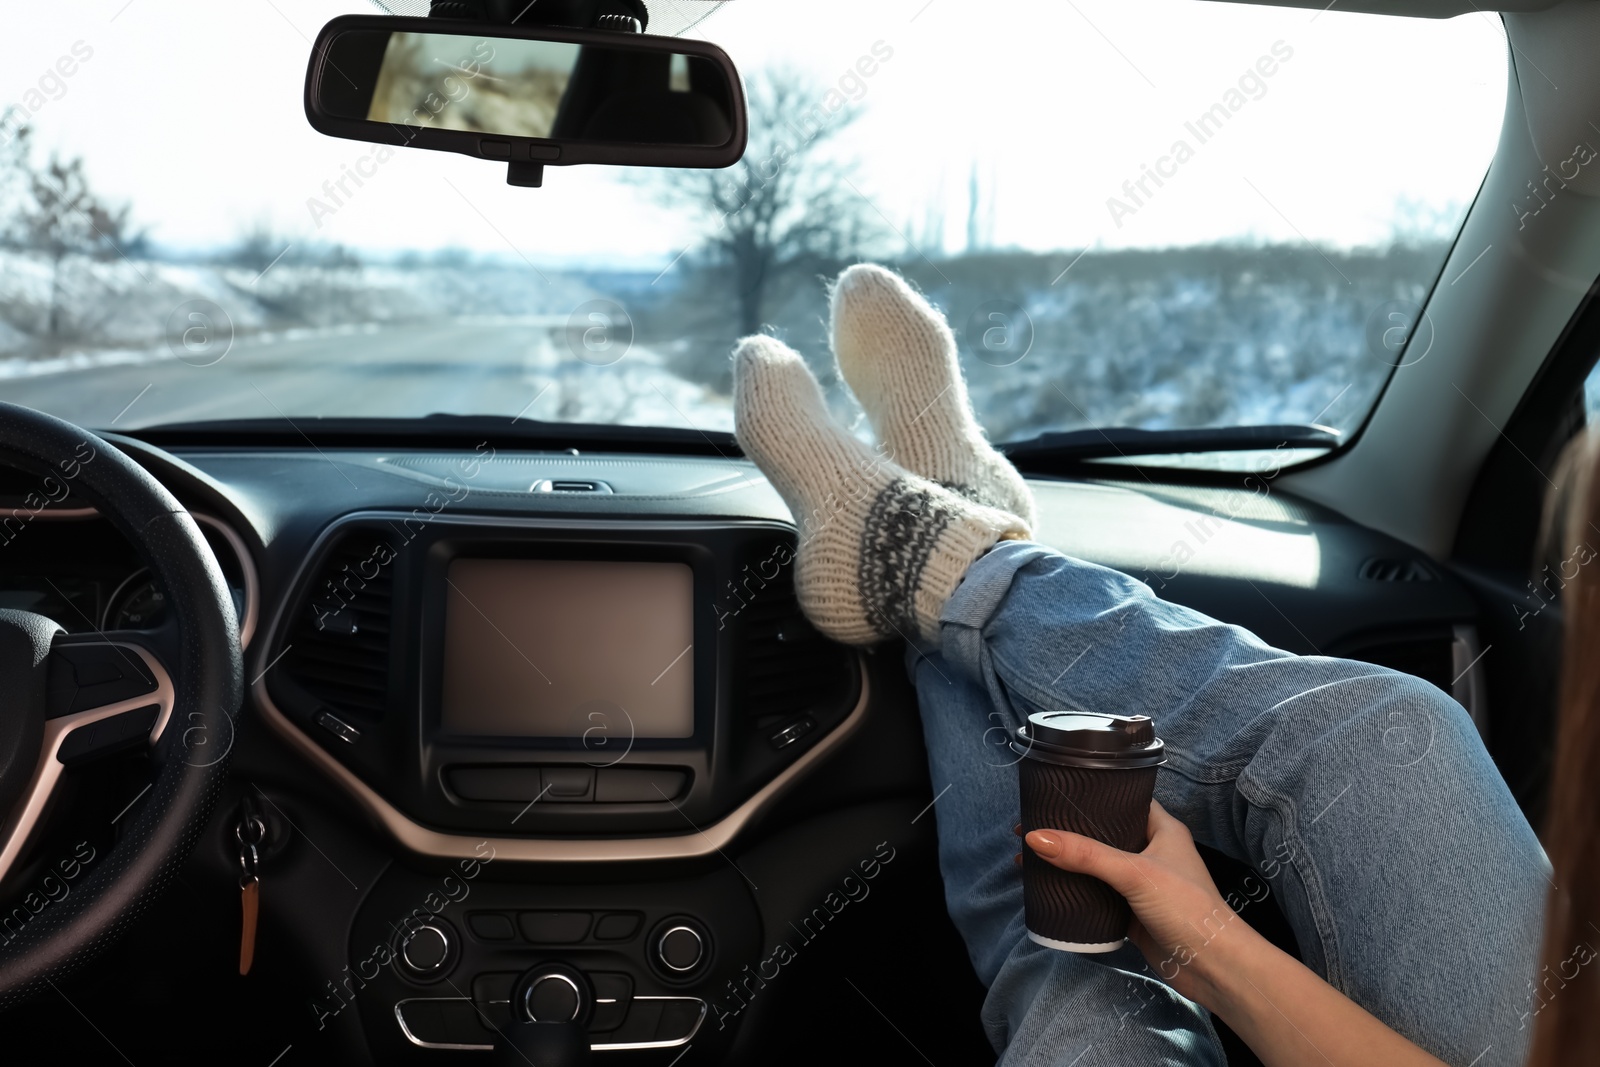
x,y
881,549
899,357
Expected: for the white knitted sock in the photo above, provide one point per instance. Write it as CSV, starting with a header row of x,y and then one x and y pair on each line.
x,y
899,357
881,550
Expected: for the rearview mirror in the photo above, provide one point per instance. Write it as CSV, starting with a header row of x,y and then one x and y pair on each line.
x,y
529,96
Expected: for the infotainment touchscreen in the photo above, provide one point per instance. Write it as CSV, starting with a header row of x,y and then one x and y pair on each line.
x,y
566,648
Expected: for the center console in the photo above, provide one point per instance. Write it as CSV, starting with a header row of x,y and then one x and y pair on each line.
x,y
507,695
503,678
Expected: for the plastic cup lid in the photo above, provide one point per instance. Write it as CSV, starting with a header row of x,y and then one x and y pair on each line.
x,y
1090,739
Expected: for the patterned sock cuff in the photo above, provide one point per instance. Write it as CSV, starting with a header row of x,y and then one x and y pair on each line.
x,y
916,543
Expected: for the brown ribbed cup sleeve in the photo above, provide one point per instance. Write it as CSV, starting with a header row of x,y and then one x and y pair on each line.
x,y
1109,805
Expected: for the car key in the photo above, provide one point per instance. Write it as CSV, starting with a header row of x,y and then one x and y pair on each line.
x,y
250,831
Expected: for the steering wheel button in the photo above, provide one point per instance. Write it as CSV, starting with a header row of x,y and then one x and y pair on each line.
x,y
127,730
94,676
94,666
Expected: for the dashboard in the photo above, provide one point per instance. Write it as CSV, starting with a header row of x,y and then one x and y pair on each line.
x,y
547,712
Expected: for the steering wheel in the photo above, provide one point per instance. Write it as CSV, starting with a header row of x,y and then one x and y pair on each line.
x,y
69,699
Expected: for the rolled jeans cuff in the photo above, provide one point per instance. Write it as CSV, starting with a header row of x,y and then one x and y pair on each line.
x,y
978,597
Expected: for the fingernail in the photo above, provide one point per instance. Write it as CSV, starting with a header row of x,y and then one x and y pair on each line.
x,y
1017,829
1017,859
1047,845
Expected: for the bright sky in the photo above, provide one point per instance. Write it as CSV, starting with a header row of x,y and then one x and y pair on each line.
x,y
193,113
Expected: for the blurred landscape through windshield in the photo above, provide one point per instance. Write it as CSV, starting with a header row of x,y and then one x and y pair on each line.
x,y
1159,214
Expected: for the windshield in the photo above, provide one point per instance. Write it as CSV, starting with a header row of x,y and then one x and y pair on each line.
x,y
1158,214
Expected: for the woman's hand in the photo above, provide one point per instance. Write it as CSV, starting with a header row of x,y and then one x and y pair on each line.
x,y
1181,922
1194,940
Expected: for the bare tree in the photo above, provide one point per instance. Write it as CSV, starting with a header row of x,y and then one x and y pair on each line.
x,y
260,248
16,150
257,247
788,205
62,217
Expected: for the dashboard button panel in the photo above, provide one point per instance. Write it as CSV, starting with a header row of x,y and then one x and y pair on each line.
x,y
630,1000
338,727
568,785
457,1023
508,784
617,926
638,785
491,926
554,927
792,733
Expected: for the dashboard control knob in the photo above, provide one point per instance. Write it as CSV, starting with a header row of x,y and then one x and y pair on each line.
x,y
681,948
554,993
429,950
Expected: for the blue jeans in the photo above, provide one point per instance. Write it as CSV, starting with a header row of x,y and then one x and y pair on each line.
x,y
1363,797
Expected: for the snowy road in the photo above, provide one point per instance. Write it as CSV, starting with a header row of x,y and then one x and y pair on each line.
x,y
485,367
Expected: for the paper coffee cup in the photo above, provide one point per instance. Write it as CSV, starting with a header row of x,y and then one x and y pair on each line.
x,y
1093,775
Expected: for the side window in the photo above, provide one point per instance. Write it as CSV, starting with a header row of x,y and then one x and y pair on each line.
x,y
1591,398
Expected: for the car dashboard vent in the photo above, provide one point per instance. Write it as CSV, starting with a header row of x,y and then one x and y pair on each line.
x,y
1451,659
338,648
1428,658
787,669
569,485
1396,570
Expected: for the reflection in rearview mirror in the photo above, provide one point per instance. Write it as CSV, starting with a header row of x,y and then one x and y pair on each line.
x,y
519,88
511,88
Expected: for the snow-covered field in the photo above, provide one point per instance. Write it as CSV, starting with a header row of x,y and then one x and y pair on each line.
x,y
1210,337
121,303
